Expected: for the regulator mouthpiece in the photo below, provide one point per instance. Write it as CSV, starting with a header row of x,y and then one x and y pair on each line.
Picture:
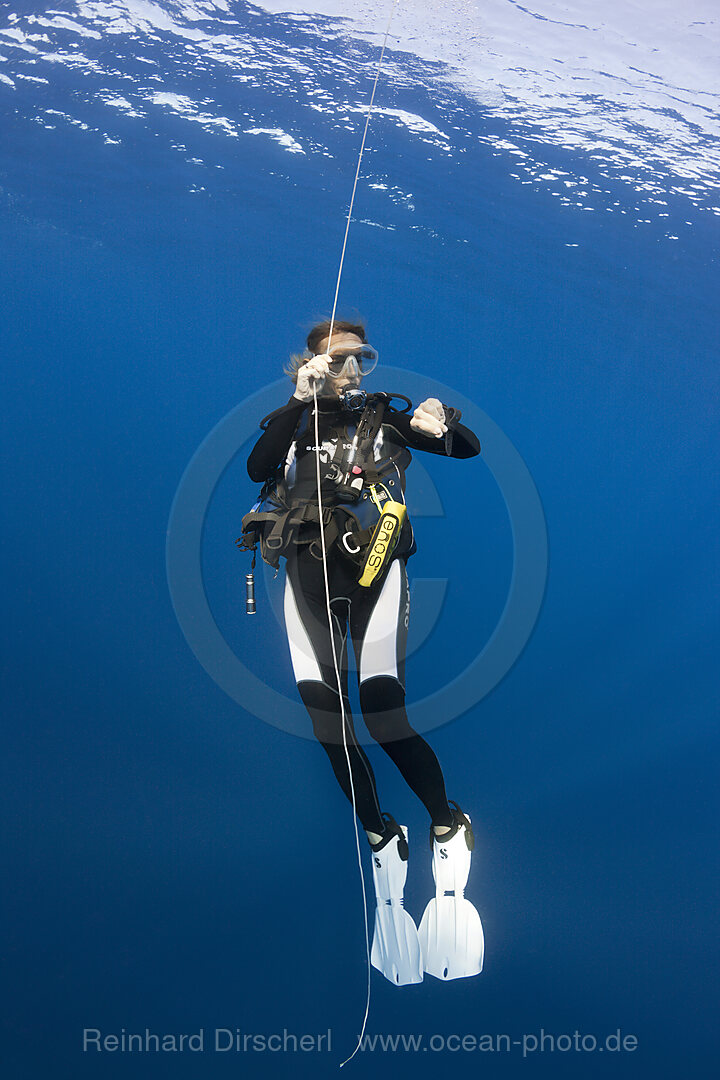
x,y
354,400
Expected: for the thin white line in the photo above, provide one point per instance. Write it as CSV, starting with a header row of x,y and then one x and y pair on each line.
x,y
357,176
342,713
322,538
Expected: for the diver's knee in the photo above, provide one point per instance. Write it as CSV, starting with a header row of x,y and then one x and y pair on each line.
x,y
322,703
382,700
381,693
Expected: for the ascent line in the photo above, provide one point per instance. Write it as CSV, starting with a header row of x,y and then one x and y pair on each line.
x,y
336,663
357,171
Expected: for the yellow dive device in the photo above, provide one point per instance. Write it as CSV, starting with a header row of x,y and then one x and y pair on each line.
x,y
384,538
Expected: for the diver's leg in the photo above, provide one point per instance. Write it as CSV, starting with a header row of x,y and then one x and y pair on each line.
x,y
312,659
450,934
379,621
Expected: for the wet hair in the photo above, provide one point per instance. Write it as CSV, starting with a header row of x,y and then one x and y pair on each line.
x,y
316,335
340,326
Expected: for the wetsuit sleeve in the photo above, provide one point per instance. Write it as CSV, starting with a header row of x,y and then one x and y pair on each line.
x,y
271,448
459,442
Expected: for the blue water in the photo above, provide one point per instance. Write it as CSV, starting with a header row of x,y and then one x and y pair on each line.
x,y
174,863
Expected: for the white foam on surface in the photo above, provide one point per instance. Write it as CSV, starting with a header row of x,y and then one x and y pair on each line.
x,y
178,102
122,104
633,81
186,107
632,85
59,22
414,123
281,137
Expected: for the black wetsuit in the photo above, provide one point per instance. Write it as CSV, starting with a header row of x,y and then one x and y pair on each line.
x,y
376,617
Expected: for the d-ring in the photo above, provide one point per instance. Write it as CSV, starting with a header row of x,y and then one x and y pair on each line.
x,y
353,551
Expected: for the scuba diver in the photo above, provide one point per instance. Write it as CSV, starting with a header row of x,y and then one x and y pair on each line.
x,y
364,449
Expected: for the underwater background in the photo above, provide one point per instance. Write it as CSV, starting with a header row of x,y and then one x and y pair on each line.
x,y
535,227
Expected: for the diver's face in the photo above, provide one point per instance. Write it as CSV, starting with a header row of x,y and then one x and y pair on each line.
x,y
341,343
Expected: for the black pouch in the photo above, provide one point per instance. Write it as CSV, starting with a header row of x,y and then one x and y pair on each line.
x,y
356,526
277,524
265,525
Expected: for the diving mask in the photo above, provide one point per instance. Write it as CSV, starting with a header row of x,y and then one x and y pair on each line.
x,y
352,361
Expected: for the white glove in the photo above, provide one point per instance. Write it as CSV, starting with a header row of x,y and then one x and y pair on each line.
x,y
315,372
429,418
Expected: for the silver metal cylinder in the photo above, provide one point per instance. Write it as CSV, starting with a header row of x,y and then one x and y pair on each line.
x,y
250,594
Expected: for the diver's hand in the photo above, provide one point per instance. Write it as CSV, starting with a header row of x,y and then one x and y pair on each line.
x,y
429,418
315,371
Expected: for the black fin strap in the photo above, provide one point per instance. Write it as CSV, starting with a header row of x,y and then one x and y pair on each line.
x,y
393,829
452,419
460,819
463,820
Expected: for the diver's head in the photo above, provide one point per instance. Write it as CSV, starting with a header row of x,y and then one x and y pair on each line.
x,y
350,356
317,338
345,362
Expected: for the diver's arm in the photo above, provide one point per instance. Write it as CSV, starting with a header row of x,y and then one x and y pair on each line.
x,y
271,449
458,442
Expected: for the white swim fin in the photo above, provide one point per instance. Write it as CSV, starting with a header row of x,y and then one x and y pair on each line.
x,y
395,948
450,932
